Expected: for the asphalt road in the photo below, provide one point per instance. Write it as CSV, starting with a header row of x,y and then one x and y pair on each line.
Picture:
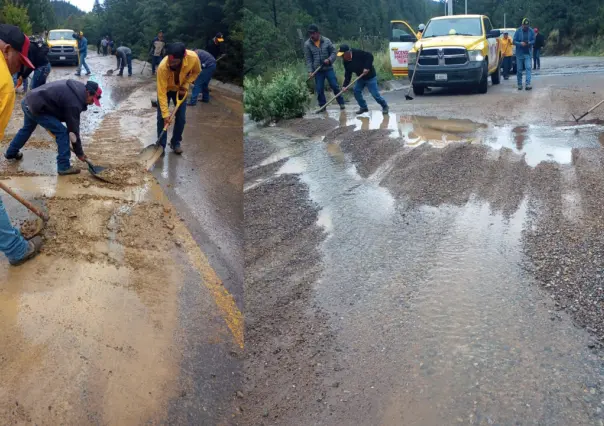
x,y
438,265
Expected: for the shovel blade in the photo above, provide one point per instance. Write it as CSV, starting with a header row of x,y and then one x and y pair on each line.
x,y
150,154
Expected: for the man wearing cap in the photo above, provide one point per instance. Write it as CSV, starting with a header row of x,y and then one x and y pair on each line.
x,y
208,66
539,44
157,50
214,46
49,106
124,56
175,75
361,63
524,39
83,49
319,51
14,46
507,49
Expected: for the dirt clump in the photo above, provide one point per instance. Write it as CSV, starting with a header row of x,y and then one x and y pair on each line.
x,y
29,228
130,174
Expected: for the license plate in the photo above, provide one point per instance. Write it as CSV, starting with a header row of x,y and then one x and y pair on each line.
x,y
440,77
62,58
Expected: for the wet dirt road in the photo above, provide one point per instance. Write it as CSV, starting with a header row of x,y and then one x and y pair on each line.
x,y
132,314
421,268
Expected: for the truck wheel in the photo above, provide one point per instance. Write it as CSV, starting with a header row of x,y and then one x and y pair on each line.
x,y
496,76
418,90
483,85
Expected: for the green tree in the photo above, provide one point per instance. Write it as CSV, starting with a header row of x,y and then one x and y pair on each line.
x,y
16,15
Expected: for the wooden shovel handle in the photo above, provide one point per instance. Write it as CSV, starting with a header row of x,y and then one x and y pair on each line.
x,y
23,201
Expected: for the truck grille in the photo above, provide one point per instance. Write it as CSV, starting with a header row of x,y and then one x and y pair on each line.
x,y
62,49
443,56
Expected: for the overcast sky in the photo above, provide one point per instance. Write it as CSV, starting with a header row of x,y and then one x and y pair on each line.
x,y
85,5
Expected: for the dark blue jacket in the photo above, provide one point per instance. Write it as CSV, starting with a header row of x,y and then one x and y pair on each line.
x,y
518,39
82,43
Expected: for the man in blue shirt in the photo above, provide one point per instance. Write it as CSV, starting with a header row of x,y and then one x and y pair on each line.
x,y
524,40
83,49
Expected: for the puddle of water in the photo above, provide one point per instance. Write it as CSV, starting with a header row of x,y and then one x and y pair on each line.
x,y
372,120
294,165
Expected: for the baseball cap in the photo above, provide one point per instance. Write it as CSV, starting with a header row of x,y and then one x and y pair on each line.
x,y
525,21
176,50
343,49
219,37
17,40
93,88
312,28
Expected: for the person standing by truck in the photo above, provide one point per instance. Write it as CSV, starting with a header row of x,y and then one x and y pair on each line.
x,y
361,63
507,50
319,51
539,44
14,48
420,30
83,49
524,40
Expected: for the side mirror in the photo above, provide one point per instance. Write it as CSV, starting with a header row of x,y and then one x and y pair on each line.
x,y
494,34
408,38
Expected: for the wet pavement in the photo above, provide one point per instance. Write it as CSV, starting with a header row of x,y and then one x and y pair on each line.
x,y
438,265
132,314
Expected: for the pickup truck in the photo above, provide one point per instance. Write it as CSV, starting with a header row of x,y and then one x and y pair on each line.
x,y
63,48
457,50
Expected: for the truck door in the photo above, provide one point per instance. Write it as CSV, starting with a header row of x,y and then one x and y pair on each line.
x,y
402,39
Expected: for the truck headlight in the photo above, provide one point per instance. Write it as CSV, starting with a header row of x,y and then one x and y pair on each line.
x,y
412,57
475,55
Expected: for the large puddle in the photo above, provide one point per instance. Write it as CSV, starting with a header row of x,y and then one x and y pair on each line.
x,y
436,318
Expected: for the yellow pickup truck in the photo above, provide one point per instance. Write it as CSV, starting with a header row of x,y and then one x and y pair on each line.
x,y
63,48
457,50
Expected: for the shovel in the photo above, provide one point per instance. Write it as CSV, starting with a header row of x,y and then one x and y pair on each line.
x,y
592,108
94,170
407,96
42,215
151,153
314,72
336,96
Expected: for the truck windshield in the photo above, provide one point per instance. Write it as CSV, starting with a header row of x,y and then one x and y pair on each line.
x,y
60,35
453,26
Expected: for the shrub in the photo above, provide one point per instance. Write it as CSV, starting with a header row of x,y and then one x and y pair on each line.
x,y
16,15
285,96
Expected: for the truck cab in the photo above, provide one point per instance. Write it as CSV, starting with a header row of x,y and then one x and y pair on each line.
x,y
456,50
63,48
402,38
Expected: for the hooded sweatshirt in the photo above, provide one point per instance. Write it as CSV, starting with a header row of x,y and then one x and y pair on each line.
x,y
63,99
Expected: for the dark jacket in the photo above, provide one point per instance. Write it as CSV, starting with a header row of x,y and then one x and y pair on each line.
x,y
361,60
539,41
315,56
38,55
63,99
122,53
205,58
214,49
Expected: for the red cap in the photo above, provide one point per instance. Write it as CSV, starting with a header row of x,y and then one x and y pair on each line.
x,y
96,97
536,29
20,42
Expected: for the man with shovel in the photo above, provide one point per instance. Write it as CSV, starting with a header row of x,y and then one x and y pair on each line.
x,y
208,66
176,73
49,106
361,63
320,55
124,56
14,46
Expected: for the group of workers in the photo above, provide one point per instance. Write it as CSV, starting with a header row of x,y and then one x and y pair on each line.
x,y
63,101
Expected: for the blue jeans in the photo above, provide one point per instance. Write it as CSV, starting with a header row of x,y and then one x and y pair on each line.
x,y
201,85
50,123
523,63
537,58
40,75
372,85
320,77
83,63
179,122
122,64
12,244
156,60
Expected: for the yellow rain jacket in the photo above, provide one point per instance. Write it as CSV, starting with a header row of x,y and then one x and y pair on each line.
x,y
7,95
191,67
507,46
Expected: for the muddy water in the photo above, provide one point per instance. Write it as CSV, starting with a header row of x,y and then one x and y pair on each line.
x,y
436,320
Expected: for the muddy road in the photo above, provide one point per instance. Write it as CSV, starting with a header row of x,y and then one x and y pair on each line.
x,y
442,264
132,313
